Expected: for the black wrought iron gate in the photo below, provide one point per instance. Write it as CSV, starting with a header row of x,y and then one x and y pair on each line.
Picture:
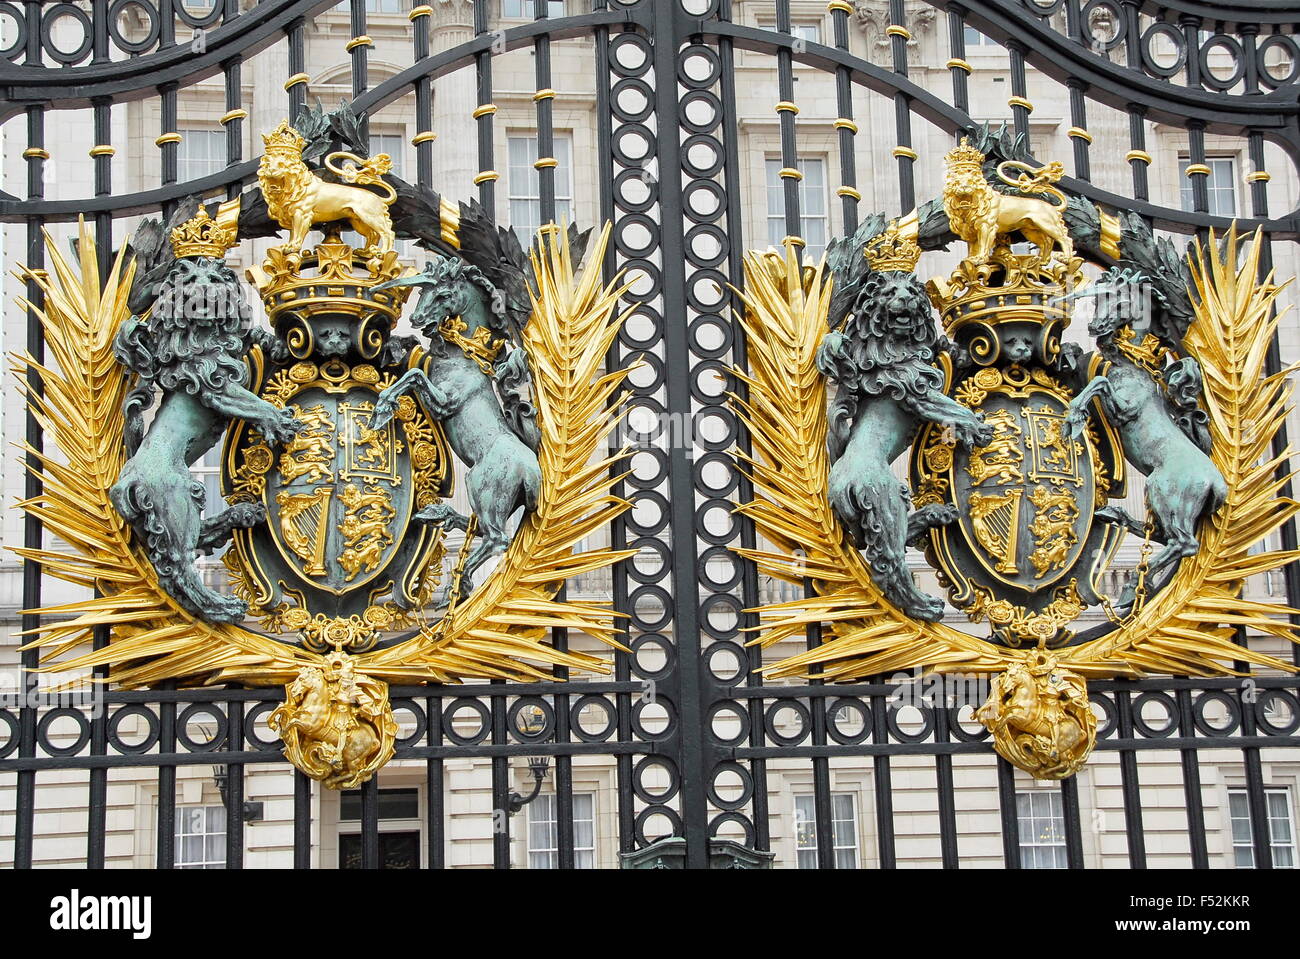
x,y
689,726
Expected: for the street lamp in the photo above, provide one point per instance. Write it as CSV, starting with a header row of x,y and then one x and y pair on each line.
x,y
530,722
251,811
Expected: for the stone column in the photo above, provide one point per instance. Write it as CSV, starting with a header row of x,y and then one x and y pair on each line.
x,y
455,152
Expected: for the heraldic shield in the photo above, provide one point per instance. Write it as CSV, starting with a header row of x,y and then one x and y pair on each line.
x,y
339,497
1023,538
341,554
1025,550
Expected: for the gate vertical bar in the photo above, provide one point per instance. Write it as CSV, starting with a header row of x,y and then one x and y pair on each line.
x,y
33,533
613,361
435,802
668,35
97,795
1191,764
1009,814
744,490
1129,784
301,820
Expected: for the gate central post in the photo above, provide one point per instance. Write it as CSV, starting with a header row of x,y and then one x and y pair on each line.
x,y
669,29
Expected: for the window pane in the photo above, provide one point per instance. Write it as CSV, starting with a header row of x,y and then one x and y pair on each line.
x,y
584,834
805,822
527,9
399,850
541,825
200,153
393,804
200,837
1238,804
775,189
1042,829
1281,828
812,204
1239,811
845,823
584,826
1220,186
525,197
191,849
1279,816
809,30
399,804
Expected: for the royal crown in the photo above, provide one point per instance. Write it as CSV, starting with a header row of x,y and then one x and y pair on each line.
x,y
893,250
283,139
201,235
964,156
332,279
1010,288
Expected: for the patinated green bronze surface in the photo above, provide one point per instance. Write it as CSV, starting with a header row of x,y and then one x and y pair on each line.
x,y
190,350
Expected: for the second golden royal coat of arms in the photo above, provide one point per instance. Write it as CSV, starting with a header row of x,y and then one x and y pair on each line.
x,y
1019,445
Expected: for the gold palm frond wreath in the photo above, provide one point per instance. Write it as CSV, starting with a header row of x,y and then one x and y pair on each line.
x,y
1188,628
497,633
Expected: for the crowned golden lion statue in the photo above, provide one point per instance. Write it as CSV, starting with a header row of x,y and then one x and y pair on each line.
x,y
980,214
298,199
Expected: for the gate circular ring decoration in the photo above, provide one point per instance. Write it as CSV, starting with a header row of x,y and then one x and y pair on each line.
x,y
220,723
115,732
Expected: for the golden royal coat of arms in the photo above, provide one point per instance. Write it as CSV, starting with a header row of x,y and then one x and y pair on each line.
x,y
1018,446
338,440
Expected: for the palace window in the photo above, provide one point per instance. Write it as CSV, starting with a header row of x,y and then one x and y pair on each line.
x,y
809,30
526,187
976,39
384,6
1281,828
1221,185
200,153
527,9
399,829
813,204
1042,829
544,835
844,830
201,837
